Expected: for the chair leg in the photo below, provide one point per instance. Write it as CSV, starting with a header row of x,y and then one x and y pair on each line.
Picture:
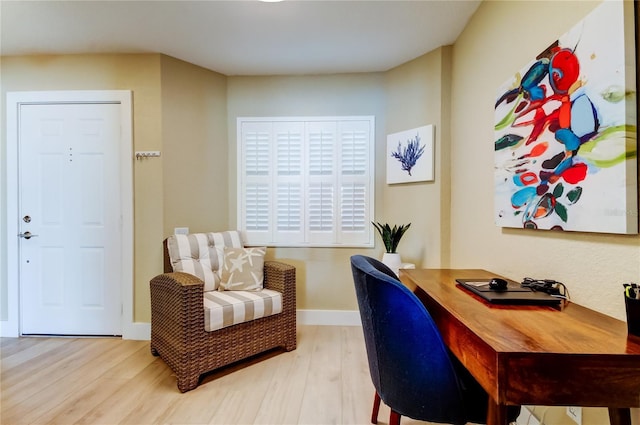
x,y
376,408
188,383
394,419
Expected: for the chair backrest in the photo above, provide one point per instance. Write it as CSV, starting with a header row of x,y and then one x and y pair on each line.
x,y
200,254
409,364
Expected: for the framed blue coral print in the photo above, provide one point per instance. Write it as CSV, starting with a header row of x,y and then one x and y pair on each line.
x,y
410,155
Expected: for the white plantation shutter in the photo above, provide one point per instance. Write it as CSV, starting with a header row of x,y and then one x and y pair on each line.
x,y
288,163
289,148
321,207
306,181
289,207
321,175
257,153
257,207
353,211
255,197
354,143
354,182
322,144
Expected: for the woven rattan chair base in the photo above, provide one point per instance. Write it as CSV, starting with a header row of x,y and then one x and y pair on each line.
x,y
177,325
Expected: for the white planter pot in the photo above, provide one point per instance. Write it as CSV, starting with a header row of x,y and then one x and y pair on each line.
x,y
392,261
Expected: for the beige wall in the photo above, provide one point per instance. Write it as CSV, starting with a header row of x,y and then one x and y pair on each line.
x,y
324,279
194,132
501,38
181,110
406,97
178,109
141,75
417,95
190,114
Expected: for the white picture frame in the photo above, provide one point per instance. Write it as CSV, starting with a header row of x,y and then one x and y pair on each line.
x,y
410,155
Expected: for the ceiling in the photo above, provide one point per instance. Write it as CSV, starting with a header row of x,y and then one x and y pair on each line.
x,y
240,37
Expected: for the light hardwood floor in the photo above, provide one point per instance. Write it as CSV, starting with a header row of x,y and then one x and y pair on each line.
x,y
113,381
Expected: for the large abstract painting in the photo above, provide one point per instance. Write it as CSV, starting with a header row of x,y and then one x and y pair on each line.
x,y
565,131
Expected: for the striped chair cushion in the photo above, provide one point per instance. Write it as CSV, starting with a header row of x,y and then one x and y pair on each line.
x,y
196,254
222,309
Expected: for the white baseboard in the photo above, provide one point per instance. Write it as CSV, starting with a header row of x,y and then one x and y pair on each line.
x,y
142,331
329,317
8,329
137,330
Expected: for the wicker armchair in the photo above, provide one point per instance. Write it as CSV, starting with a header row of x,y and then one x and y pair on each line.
x,y
178,333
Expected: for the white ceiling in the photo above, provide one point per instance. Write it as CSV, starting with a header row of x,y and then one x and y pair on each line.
x,y
240,37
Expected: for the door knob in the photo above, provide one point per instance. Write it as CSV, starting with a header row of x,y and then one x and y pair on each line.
x,y
26,235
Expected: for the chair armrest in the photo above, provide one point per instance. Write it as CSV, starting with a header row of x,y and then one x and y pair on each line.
x,y
177,301
281,277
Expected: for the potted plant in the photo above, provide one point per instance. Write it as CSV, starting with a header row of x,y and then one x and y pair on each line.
x,y
391,238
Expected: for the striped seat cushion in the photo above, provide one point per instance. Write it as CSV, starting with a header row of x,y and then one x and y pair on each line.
x,y
196,254
222,309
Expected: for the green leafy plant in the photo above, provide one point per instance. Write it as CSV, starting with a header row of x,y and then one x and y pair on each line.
x,y
391,236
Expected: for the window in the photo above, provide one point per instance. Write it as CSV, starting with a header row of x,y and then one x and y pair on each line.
x,y
306,181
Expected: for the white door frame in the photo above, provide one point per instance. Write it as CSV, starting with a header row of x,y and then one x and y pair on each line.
x,y
11,327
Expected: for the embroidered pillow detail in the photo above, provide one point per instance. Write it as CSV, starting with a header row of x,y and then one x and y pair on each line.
x,y
242,269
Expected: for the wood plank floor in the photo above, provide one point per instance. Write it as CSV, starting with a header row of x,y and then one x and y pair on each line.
x,y
113,381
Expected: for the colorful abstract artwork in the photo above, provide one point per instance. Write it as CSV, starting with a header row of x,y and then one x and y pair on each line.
x,y
565,131
410,155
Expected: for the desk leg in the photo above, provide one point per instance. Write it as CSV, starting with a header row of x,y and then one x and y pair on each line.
x,y
497,413
619,416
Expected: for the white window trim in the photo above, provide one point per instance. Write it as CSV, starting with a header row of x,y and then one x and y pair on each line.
x,y
336,238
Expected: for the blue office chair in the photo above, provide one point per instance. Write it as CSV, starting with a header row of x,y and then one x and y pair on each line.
x,y
412,370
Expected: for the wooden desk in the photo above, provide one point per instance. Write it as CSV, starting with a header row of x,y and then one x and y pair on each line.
x,y
531,355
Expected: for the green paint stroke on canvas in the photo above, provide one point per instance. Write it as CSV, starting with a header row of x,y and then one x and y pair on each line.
x,y
509,118
613,146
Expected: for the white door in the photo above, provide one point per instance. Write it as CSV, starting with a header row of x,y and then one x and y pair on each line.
x,y
70,219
